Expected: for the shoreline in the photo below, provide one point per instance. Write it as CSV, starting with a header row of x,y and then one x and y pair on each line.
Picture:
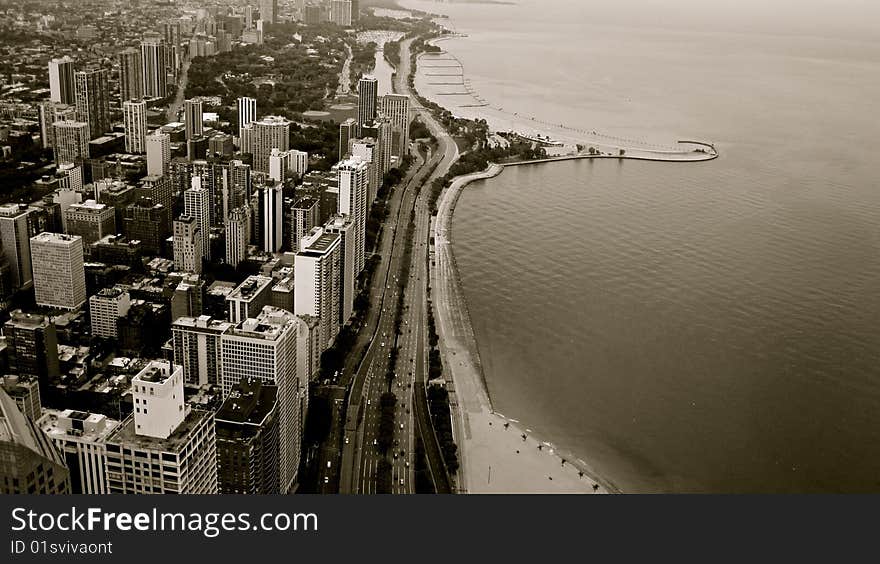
x,y
523,461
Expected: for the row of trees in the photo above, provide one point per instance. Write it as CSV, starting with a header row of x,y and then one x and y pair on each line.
x,y
441,416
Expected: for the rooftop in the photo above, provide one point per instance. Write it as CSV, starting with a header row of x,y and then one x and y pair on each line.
x,y
248,402
125,434
156,372
57,238
250,288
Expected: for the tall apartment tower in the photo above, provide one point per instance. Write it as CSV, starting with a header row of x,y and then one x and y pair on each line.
x,y
352,179
29,462
396,108
348,130
368,150
61,81
153,59
90,221
80,438
237,235
93,100
134,114
271,217
196,343
193,118
318,280
25,392
71,141
368,91
304,217
260,137
188,250
164,446
280,165
59,274
158,147
340,12
344,226
264,348
32,346
105,309
247,112
269,11
197,204
247,440
15,242
49,113
131,75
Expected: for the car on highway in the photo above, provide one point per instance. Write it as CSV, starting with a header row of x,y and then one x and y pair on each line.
x,y
383,344
401,481
401,426
326,480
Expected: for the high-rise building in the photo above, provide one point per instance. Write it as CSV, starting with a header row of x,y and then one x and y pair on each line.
x,y
90,221
247,111
269,11
158,188
32,346
355,10
93,100
396,108
80,438
348,130
49,113
158,146
197,204
148,222
189,297
29,462
71,141
164,446
131,75
299,162
264,348
134,114
196,342
153,59
248,298
352,179
193,118
188,252
279,165
247,440
261,136
340,12
368,91
61,81
304,217
237,235
312,14
344,226
318,270
105,309
59,274
271,217
15,242
368,150
25,392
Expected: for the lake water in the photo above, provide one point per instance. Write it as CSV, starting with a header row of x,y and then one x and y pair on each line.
x,y
684,327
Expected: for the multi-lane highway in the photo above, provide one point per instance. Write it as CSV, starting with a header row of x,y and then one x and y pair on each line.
x,y
361,456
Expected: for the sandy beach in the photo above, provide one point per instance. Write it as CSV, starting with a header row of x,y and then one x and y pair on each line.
x,y
497,455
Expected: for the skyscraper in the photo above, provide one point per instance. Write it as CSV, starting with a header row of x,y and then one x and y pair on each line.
x,y
237,235
279,165
340,12
131,75
271,217
264,348
105,309
303,218
193,118
269,11
164,446
15,242
93,100
80,438
32,346
148,222
317,287
49,113
153,60
344,226
396,108
61,80
352,179
260,137
59,274
90,221
71,141
197,204
29,461
158,146
368,150
188,253
247,112
196,342
247,440
368,90
134,114
348,130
